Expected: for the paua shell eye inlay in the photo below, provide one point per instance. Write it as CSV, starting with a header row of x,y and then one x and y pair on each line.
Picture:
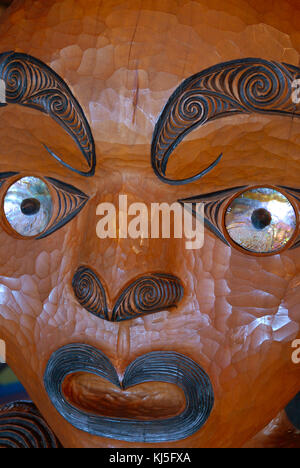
x,y
28,206
261,220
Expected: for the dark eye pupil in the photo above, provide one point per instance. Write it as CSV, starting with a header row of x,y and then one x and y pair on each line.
x,y
30,206
261,218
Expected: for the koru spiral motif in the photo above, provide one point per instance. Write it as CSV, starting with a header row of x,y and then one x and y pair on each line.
x,y
31,83
146,295
238,87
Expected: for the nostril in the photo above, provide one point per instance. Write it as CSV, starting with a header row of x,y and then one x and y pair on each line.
x,y
146,295
90,292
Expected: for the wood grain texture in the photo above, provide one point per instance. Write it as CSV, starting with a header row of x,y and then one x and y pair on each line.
x,y
122,59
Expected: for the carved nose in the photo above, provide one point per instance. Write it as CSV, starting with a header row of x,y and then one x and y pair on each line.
x,y
146,295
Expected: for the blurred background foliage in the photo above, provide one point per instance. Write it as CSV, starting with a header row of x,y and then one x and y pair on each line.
x,y
10,388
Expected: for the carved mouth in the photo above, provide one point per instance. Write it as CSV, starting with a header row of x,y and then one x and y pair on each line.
x,y
85,389
96,395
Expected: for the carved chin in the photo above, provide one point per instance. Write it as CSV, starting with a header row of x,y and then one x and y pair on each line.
x,y
163,396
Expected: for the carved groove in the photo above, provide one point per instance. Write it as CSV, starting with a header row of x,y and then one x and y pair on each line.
x,y
90,292
22,426
69,201
146,295
215,202
4,176
31,83
237,87
156,366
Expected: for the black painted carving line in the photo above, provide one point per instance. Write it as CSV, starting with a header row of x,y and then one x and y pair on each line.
x,y
243,86
90,293
168,367
214,202
147,295
70,201
22,426
31,83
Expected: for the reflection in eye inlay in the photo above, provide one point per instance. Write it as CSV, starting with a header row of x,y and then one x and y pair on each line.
x,y
34,209
20,206
261,220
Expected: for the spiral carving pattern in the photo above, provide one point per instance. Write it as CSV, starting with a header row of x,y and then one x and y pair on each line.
x,y
31,83
146,295
22,426
90,292
236,87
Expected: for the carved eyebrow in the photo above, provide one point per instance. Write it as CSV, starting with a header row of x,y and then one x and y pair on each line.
x,y
31,83
244,86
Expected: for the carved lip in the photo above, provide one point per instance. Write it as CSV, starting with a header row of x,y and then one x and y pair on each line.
x,y
98,396
168,367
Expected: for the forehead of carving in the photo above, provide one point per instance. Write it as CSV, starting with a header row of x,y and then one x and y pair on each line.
x,y
123,62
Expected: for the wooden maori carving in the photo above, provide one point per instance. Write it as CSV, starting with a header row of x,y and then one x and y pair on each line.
x,y
29,82
153,367
137,340
22,426
236,87
146,295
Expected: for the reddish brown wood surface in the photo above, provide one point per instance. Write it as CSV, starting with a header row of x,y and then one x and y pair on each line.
x,y
280,433
240,314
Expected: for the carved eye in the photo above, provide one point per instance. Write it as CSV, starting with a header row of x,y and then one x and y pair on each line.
x,y
261,220
258,220
37,208
28,206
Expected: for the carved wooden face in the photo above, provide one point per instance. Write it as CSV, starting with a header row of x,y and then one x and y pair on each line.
x,y
135,328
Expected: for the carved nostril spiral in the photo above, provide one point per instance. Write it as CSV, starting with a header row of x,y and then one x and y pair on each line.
x,y
90,292
147,295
